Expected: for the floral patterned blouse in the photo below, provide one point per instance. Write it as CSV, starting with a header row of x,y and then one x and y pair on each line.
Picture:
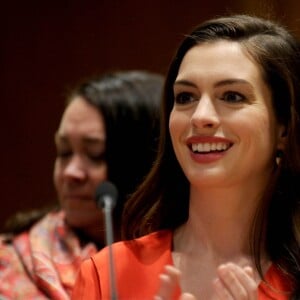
x,y
42,263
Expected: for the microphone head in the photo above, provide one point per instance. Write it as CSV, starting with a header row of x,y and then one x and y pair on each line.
x,y
106,189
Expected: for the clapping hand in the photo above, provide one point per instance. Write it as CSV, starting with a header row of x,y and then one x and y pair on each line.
x,y
232,283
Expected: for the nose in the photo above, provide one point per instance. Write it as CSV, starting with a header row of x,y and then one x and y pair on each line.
x,y
75,168
205,114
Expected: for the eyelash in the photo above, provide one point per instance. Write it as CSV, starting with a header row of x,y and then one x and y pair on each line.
x,y
187,97
64,154
180,98
240,97
95,158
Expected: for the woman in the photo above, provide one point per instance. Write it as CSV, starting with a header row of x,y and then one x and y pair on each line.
x,y
108,131
218,215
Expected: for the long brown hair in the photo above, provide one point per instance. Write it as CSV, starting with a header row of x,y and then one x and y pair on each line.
x,y
162,200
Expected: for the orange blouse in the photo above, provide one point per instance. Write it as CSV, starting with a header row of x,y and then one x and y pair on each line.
x,y
137,265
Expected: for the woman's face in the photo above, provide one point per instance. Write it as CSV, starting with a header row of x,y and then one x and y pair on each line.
x,y
222,124
80,165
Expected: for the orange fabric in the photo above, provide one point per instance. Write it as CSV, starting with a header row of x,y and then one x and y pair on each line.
x,y
137,267
276,285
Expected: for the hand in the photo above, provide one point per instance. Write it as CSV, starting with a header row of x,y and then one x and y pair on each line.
x,y
169,281
235,283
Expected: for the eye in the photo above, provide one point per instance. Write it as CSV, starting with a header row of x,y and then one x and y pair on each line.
x,y
97,158
63,153
233,97
184,98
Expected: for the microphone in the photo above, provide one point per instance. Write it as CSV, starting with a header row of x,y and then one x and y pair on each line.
x,y
106,199
106,195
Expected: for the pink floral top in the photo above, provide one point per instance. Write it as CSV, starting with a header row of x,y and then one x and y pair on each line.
x,y
42,263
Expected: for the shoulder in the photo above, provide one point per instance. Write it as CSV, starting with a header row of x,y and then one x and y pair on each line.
x,y
142,248
159,240
276,285
50,220
53,223
52,217
140,260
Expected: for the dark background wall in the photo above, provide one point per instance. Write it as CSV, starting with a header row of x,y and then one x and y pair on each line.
x,y
47,46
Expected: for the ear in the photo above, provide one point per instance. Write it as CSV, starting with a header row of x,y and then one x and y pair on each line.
x,y
281,137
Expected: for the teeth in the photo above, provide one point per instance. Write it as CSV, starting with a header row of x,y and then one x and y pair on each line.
x,y
207,147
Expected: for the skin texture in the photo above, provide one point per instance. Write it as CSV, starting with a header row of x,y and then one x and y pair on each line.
x,y
80,166
227,104
206,72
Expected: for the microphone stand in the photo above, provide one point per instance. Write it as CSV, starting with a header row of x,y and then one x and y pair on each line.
x,y
107,209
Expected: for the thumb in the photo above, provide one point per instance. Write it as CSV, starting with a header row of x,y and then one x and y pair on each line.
x,y
187,296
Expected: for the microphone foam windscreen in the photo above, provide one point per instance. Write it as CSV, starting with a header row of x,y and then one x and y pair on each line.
x,y
106,189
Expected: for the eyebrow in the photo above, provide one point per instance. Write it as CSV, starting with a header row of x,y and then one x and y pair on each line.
x,y
86,140
218,84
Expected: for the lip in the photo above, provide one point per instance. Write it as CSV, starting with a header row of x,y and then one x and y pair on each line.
x,y
207,157
77,197
207,139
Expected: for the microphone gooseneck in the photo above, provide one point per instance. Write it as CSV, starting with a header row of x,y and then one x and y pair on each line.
x,y
106,199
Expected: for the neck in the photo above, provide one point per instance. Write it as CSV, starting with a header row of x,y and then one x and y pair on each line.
x,y
220,221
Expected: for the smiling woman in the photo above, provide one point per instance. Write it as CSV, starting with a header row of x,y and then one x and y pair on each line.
x,y
108,131
217,217
222,103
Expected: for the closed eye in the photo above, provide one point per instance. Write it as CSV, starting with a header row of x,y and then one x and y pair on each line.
x,y
64,154
97,158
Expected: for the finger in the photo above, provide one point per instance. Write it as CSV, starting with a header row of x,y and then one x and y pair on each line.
x,y
246,276
165,287
173,272
239,283
249,271
168,282
221,290
187,296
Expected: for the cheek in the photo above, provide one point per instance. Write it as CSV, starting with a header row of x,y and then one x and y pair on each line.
x,y
267,137
258,134
98,174
177,124
57,175
265,127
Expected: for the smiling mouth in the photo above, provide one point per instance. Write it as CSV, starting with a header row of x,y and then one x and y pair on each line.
x,y
209,147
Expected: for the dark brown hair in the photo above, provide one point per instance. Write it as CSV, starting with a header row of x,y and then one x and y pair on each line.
x,y
161,201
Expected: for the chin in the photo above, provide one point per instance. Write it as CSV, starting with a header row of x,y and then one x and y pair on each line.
x,y
80,219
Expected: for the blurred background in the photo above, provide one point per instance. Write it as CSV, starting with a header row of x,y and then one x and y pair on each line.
x,y
48,46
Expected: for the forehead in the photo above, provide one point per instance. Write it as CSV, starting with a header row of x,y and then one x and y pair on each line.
x,y
80,116
219,59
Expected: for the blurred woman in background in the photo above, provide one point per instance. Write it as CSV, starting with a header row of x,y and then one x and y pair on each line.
x,y
108,131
